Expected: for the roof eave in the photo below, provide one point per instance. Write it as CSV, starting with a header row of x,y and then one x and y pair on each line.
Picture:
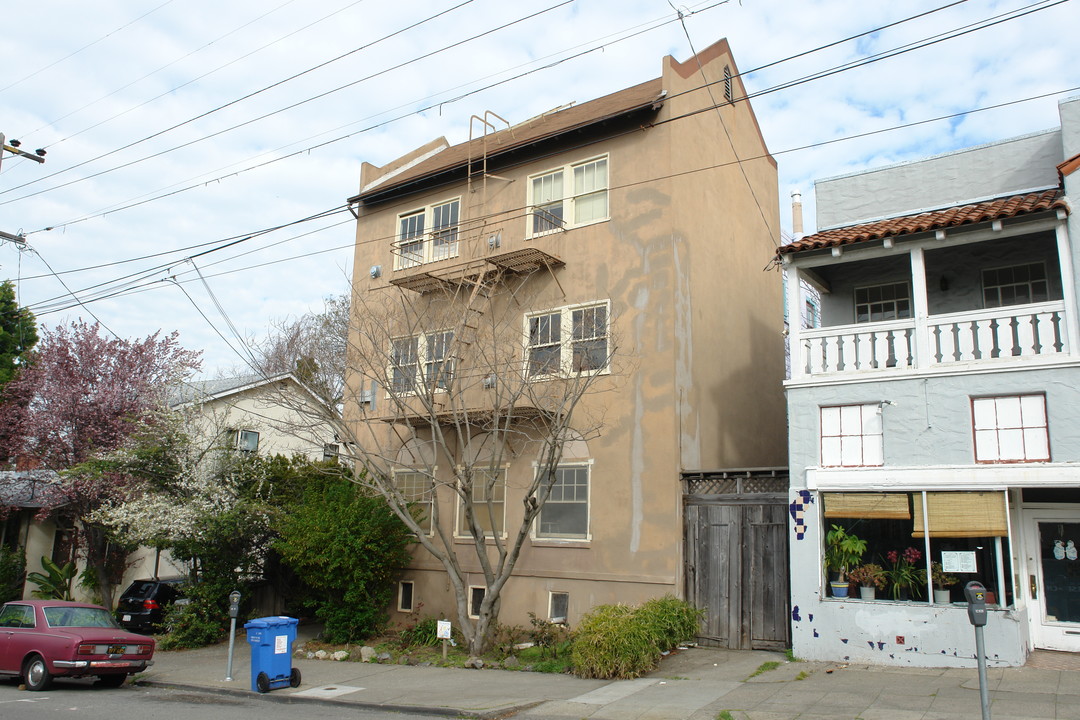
x,y
381,191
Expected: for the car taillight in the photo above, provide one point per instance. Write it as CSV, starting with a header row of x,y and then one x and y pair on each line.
x,y
151,605
86,649
143,650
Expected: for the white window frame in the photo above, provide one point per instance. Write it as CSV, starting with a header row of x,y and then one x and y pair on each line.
x,y
474,607
424,242
897,314
423,362
538,531
243,441
851,435
426,496
572,193
566,341
1013,421
460,531
401,596
1028,283
552,617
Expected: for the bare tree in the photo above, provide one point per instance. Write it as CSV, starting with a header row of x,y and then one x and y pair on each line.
x,y
311,347
442,392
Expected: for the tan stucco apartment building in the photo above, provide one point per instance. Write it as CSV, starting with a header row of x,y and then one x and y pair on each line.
x,y
625,238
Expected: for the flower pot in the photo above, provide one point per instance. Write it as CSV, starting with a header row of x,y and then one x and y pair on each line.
x,y
867,592
942,596
839,588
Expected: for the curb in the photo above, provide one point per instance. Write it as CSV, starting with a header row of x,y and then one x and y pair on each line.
x,y
330,702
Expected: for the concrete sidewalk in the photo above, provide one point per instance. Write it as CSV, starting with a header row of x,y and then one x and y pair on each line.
x,y
694,684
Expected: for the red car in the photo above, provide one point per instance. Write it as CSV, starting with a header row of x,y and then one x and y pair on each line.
x,y
43,639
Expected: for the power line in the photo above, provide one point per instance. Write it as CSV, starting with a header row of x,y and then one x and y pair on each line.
x,y
84,47
266,115
434,105
44,305
170,64
522,209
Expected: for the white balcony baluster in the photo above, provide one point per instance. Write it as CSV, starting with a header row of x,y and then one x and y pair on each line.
x,y
973,336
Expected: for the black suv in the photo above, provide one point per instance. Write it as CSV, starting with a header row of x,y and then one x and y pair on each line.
x,y
142,606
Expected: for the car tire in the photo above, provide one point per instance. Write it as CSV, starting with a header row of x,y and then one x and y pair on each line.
x,y
111,681
36,673
294,678
262,683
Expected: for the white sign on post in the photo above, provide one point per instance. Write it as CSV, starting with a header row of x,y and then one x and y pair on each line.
x,y
443,630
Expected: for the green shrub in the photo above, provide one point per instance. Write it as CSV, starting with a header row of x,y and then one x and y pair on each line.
x,y
504,638
348,546
12,574
423,633
610,644
547,635
622,642
198,623
674,621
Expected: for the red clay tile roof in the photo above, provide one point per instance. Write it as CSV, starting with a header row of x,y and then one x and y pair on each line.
x,y
998,209
1069,166
539,128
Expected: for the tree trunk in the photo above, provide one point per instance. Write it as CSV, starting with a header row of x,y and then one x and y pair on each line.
x,y
96,549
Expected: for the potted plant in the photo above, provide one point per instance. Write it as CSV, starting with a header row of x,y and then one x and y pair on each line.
x,y
905,580
870,577
942,583
843,551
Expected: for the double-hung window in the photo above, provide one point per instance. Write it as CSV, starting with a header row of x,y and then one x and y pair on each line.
x,y
566,512
404,359
421,360
568,340
488,502
851,436
427,234
567,197
1011,429
437,361
415,488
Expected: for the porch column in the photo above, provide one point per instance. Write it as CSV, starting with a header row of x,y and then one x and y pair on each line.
x,y
794,319
1068,288
920,308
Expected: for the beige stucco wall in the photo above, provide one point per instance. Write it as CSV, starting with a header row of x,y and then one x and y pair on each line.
x,y
696,383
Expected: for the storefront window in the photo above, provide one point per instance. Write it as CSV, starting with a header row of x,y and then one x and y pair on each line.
x,y
967,540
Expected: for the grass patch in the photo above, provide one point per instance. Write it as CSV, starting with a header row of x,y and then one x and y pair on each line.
x,y
802,676
791,655
764,668
725,715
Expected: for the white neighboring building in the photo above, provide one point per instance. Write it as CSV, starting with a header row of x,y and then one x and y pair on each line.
x,y
937,406
256,413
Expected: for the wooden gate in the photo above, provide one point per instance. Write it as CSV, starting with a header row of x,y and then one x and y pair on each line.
x,y
736,554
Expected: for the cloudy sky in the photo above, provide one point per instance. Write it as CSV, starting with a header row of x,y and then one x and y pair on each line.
x,y
173,127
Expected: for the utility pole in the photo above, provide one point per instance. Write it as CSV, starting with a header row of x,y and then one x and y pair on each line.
x,y
37,156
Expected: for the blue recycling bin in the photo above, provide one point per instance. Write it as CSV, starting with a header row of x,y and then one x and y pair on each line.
x,y
271,640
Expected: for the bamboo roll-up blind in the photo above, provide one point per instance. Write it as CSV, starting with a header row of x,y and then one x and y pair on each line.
x,y
885,506
962,514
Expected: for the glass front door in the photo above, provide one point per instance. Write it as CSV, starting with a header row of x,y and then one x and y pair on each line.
x,y
1054,582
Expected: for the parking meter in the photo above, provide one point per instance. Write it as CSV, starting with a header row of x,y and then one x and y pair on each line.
x,y
234,603
234,610
976,599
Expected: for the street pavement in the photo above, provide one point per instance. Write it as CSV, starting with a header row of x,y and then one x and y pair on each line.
x,y
691,684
